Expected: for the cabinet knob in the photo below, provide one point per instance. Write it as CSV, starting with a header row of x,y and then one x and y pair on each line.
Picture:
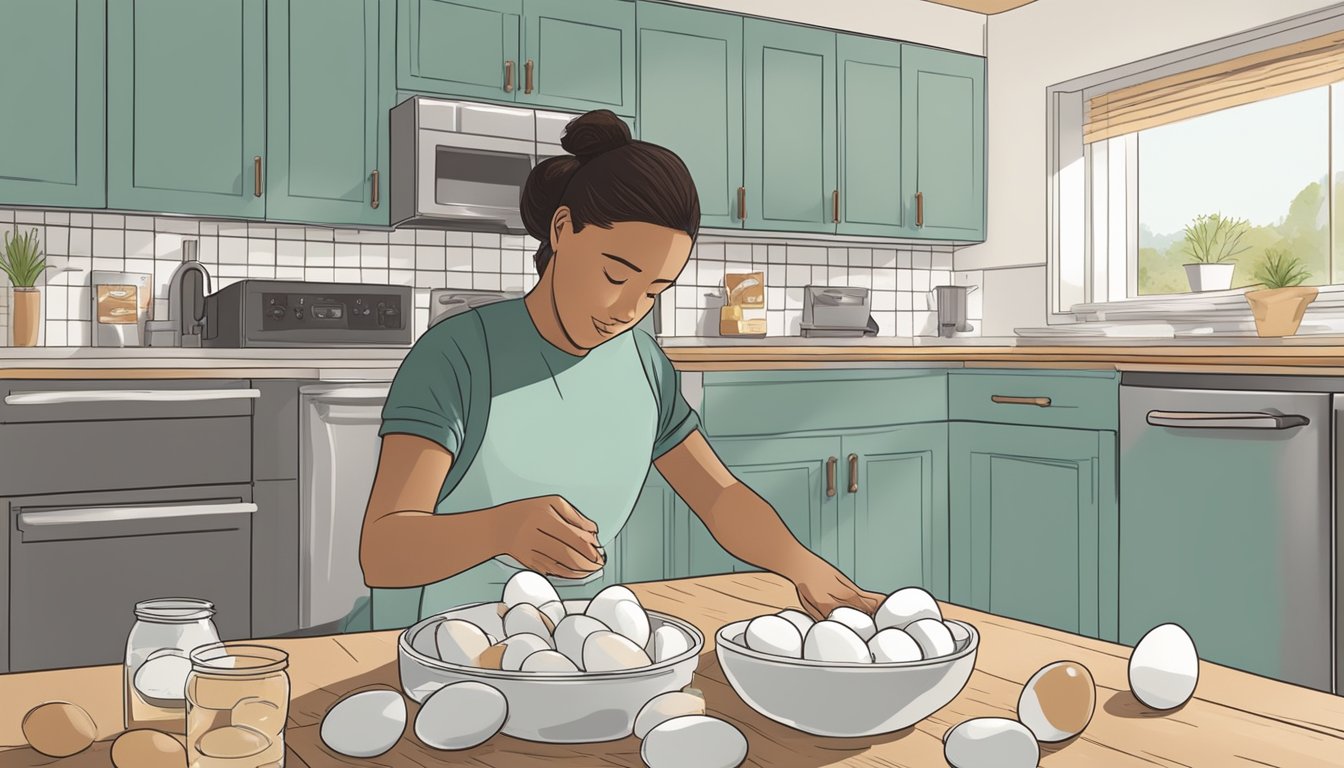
x,y
256,176
853,473
374,201
508,76
528,67
830,475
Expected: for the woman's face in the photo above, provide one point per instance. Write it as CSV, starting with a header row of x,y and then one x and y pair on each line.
x,y
605,280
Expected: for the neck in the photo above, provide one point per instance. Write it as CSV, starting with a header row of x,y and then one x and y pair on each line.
x,y
540,303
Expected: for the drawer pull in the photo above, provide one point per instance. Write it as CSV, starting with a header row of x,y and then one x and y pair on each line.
x,y
830,475
256,176
1043,402
28,521
374,203
508,76
1202,420
527,76
129,396
853,473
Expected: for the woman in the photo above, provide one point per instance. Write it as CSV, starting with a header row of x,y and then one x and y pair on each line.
x,y
522,432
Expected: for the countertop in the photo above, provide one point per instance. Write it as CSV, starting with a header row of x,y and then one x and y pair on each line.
x,y
1234,719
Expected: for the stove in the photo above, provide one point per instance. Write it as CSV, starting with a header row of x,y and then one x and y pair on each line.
x,y
283,313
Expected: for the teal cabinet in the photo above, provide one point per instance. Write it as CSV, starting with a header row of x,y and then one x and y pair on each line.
x,y
581,55
466,48
943,135
789,122
1034,526
186,116
645,546
329,88
690,99
870,148
52,63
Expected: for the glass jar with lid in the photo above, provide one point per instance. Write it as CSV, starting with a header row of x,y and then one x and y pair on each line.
x,y
237,704
158,659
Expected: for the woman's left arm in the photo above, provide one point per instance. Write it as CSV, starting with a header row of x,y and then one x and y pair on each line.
x,y
749,528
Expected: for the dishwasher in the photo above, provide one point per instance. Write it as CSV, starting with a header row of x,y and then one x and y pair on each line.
x,y
1227,518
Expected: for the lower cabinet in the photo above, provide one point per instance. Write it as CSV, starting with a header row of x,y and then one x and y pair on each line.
x,y
1034,524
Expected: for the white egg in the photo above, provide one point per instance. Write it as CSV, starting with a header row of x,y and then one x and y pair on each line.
x,y
613,594
460,642
960,634
666,706
667,642
529,587
893,645
694,741
365,724
519,647
527,619
461,716
857,620
798,619
572,631
607,651
833,641
626,617
554,610
905,606
1164,667
774,635
163,677
933,637
548,661
991,742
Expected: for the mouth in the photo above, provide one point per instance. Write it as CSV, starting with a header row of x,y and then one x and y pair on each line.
x,y
604,329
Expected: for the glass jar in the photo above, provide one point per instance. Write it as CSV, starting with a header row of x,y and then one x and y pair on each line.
x,y
237,704
158,659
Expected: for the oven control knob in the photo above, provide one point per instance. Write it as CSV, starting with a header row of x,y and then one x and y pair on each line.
x,y
298,313
277,312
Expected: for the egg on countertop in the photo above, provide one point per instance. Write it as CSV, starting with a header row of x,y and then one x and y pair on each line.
x,y
364,724
905,606
666,706
518,647
529,587
607,651
58,729
894,645
1057,702
667,642
145,748
458,641
694,741
527,619
548,661
626,617
933,637
774,635
832,641
572,631
461,716
798,619
991,742
1164,667
857,620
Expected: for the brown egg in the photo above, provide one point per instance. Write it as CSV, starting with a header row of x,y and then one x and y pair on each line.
x,y
144,748
59,729
1057,702
492,657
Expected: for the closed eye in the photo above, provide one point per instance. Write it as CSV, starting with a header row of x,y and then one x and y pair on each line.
x,y
611,279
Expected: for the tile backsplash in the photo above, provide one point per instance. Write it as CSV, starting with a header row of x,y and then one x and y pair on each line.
x,y
899,275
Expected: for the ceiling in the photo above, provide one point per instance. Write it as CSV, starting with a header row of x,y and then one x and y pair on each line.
x,y
984,6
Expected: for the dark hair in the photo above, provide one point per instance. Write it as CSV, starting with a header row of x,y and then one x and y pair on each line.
x,y
607,178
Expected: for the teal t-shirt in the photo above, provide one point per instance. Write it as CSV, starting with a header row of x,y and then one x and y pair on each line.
x,y
524,418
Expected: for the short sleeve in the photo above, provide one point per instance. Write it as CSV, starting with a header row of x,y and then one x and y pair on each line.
x,y
676,418
430,396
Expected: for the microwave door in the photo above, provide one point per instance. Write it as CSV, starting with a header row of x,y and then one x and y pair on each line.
x,y
475,180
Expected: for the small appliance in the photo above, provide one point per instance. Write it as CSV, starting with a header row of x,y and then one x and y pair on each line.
x,y
951,303
282,313
121,304
837,312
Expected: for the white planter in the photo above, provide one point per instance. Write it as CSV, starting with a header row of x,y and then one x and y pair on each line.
x,y
1210,277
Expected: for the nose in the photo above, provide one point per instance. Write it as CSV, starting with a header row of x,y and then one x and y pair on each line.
x,y
624,311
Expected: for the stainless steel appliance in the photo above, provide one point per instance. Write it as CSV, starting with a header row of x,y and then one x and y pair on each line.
x,y
951,303
279,313
1227,518
835,311
120,305
446,302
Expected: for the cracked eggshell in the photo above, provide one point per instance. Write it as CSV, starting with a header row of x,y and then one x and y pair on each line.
x,y
666,706
774,635
457,641
364,724
461,716
906,606
832,641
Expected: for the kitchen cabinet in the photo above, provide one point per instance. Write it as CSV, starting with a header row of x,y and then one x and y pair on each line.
x,y
943,140
870,197
53,119
690,99
466,48
329,86
186,118
644,547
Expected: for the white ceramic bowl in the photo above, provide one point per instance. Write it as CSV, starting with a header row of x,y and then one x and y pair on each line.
x,y
551,707
841,699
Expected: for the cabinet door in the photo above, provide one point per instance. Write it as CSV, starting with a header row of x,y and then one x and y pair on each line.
x,y
186,119
943,112
1027,527
643,545
582,54
327,116
690,99
52,121
893,520
869,120
789,120
459,47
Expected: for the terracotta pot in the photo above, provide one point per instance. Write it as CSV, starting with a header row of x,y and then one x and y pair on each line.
x,y
1278,311
26,316
1210,277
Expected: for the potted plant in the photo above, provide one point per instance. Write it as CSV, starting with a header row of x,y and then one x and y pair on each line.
x,y
1212,240
22,260
1279,306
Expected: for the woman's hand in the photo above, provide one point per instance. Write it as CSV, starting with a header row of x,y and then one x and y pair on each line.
x,y
822,589
548,535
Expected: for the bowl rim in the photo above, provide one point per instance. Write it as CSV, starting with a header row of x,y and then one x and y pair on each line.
x,y
405,649
723,639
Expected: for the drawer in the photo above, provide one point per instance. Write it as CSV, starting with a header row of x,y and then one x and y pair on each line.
x,y
35,401
778,402
1076,399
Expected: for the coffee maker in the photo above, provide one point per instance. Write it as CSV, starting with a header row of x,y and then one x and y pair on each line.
x,y
951,303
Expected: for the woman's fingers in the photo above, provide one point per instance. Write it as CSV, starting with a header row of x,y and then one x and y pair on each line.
x,y
549,566
582,542
572,515
568,555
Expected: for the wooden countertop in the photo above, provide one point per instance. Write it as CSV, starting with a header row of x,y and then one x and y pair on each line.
x,y
1234,719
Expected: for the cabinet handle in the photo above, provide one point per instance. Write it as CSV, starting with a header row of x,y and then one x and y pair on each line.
x,y
835,206
64,397
853,473
256,176
742,203
1213,420
508,76
1043,402
919,209
830,475
527,76
374,202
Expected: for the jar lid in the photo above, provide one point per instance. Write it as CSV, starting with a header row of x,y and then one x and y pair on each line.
x,y
241,659
174,610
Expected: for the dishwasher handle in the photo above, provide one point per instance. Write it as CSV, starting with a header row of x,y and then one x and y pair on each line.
x,y
1226,420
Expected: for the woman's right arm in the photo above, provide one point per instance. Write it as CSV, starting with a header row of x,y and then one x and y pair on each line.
x,y
404,544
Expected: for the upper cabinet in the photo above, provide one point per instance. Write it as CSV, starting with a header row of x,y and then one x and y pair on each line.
x,y
52,53
870,199
466,48
186,118
943,106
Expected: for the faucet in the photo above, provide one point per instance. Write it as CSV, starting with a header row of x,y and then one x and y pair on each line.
x,y
187,288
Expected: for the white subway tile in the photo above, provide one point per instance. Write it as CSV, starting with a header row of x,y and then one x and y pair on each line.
x,y
485,239
904,259
793,298
163,275
347,236
233,229
919,279
922,260
30,217
347,255
261,252
738,252
212,228
449,280
940,277
401,237
778,254
208,252
941,259
456,238
261,271
401,256
160,310
904,279
884,301
904,301
774,298
837,257
76,219
428,257
55,333
774,323
78,334
289,273
806,254
793,322
320,234
759,255
281,233
347,275
774,275
56,241
885,279
485,282
57,217
373,256
373,237
861,277
820,275
289,253
886,323
508,282
140,266
80,301
837,276
401,276
108,243
709,252
511,262
512,241
319,274
56,299
421,321
708,273
688,322
7,215
457,258
926,323
921,301
168,245
797,275
232,250
233,271
374,276
184,226
905,326
485,259
319,254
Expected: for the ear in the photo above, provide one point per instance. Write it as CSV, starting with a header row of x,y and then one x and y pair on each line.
x,y
561,223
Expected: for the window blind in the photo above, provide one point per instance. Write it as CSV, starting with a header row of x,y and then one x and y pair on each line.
x,y
1242,80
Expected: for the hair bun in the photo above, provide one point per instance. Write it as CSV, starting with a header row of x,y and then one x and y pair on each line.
x,y
593,133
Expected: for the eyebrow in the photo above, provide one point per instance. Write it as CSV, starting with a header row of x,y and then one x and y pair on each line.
x,y
614,257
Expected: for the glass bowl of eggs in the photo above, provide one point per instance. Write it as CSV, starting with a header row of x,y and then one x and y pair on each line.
x,y
852,674
572,671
